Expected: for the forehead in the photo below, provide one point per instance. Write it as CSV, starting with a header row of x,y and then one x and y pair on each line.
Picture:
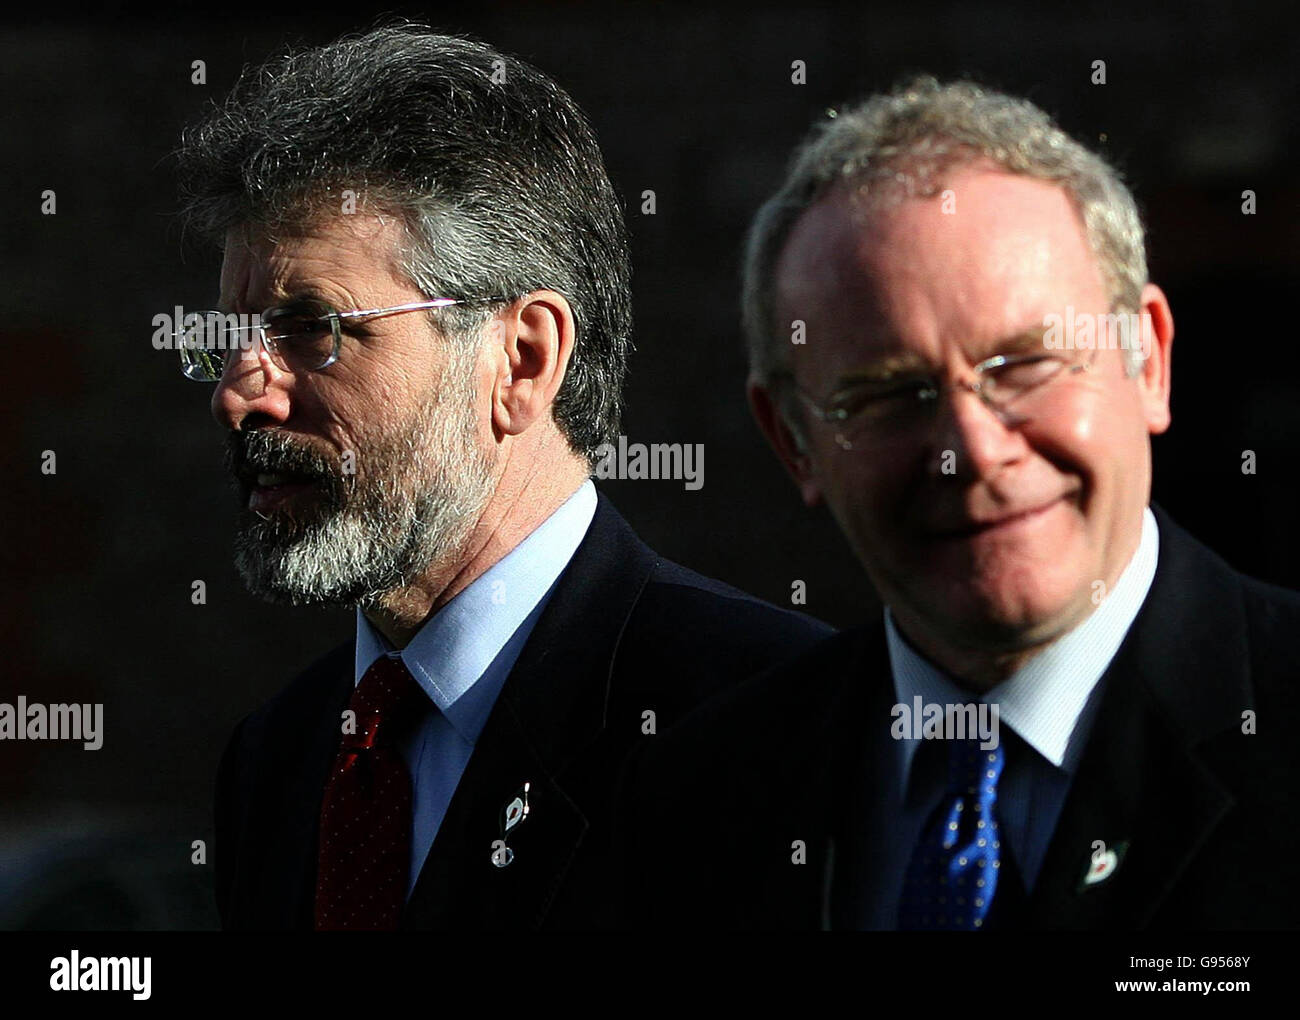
x,y
989,253
338,257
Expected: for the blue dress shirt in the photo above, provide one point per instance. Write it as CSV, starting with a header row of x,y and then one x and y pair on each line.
x,y
1046,709
462,655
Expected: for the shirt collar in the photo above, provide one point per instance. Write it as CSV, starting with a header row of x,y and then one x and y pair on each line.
x,y
1043,700
465,639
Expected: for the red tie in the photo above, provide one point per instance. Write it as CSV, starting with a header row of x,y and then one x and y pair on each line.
x,y
365,818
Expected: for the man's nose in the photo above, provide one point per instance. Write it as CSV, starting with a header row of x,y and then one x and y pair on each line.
x,y
253,390
972,439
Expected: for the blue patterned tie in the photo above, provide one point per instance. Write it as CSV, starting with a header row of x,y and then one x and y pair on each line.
x,y
953,873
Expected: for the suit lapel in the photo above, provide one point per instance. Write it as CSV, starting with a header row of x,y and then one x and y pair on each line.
x,y
287,895
1145,787
811,788
480,876
552,706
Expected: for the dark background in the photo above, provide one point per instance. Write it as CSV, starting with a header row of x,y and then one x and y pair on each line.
x,y
693,102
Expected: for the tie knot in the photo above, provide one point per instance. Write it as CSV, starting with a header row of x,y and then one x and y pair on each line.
x,y
972,770
385,698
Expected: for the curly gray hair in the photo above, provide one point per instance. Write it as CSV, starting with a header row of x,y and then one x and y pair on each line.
x,y
490,166
904,143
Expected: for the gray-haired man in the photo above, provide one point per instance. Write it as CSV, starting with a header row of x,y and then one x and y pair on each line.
x,y
955,346
424,228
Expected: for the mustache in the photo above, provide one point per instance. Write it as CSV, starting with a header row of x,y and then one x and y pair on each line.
x,y
248,454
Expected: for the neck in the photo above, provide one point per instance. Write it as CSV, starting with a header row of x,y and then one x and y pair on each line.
x,y
521,501
975,669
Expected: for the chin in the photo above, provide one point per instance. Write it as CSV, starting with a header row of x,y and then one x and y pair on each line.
x,y
1012,616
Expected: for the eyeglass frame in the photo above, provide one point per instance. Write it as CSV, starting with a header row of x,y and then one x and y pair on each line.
x,y
839,416
335,318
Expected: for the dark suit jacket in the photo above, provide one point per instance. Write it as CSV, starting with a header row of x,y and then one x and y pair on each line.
x,y
625,632
1207,812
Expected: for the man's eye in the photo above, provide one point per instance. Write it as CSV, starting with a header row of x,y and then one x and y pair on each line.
x,y
303,327
1022,374
880,396
294,325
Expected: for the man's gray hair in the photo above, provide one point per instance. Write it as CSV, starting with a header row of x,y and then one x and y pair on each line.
x,y
490,167
903,144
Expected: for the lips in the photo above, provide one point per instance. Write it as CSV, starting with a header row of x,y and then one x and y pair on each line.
x,y
269,480
265,498
979,526
270,490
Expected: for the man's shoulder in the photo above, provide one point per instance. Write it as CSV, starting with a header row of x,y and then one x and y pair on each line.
x,y
786,712
676,635
818,677
1194,577
701,634
692,606
672,594
1273,611
1273,620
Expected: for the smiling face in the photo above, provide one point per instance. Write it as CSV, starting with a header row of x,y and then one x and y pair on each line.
x,y
355,478
983,532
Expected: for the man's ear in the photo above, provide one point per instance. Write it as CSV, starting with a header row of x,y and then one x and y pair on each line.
x,y
790,449
536,336
1157,325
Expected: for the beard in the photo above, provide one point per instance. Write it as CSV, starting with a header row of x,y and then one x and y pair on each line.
x,y
372,523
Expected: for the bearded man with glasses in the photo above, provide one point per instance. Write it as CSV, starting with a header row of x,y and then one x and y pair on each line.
x,y
420,347
1072,714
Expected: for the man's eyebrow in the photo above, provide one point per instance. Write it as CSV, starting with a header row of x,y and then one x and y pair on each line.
x,y
287,298
1023,342
885,368
892,365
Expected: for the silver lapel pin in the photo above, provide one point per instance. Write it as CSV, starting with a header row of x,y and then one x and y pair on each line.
x,y
512,815
1103,863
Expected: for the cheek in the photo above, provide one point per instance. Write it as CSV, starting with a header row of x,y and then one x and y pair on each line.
x,y
868,490
388,370
1108,432
1079,437
323,409
1099,438
355,420
482,395
376,394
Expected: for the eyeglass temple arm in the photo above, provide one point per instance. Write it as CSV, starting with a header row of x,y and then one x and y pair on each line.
x,y
415,306
809,400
